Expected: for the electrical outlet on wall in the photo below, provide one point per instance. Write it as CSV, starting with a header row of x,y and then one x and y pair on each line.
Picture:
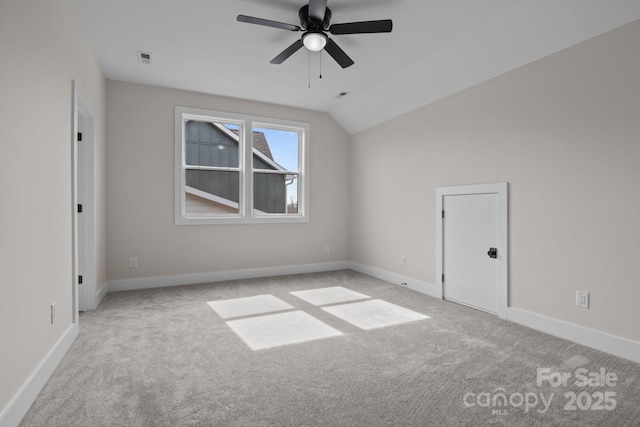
x,y
133,262
403,260
327,250
582,299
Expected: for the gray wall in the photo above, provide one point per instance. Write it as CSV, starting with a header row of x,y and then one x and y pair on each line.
x,y
563,132
140,199
42,48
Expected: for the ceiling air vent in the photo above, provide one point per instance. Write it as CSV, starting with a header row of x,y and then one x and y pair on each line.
x,y
144,57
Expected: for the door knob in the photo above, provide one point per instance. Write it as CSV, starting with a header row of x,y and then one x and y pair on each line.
x,y
493,253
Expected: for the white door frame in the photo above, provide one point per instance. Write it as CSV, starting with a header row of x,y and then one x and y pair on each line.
x,y
503,250
83,165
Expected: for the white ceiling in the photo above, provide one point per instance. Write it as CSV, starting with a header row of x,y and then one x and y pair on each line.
x,y
437,48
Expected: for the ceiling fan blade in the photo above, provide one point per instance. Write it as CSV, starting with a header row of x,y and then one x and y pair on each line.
x,y
365,27
338,54
317,9
287,52
267,23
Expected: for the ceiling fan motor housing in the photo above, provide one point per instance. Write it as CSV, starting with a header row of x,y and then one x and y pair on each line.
x,y
311,24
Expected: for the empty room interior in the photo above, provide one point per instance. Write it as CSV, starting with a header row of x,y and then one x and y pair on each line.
x,y
310,212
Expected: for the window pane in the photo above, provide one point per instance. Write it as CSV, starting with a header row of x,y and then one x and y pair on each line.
x,y
275,193
275,149
211,144
211,192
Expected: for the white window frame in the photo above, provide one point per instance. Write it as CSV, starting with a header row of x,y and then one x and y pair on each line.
x,y
246,213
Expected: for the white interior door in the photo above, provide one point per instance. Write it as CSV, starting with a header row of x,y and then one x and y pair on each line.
x,y
84,223
80,173
470,229
82,290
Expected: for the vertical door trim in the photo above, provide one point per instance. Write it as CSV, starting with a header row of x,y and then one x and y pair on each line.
x,y
501,189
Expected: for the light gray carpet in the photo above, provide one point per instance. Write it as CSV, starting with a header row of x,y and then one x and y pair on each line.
x,y
164,357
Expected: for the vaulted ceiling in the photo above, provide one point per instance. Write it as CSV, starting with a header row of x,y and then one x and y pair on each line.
x,y
436,48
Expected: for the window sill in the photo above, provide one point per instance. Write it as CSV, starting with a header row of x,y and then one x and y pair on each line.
x,y
237,220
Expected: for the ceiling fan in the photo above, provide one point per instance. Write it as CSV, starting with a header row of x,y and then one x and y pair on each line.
x,y
315,21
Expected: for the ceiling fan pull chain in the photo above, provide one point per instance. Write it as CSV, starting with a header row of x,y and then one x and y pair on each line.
x,y
320,63
309,69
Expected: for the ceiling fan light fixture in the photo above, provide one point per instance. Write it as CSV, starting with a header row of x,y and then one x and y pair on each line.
x,y
314,41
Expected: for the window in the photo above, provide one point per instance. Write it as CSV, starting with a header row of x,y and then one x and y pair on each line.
x,y
233,168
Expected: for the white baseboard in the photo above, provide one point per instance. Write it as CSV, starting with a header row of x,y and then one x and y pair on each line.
x,y
417,285
618,346
101,293
13,413
219,276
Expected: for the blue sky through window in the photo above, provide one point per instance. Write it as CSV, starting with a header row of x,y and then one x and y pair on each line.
x,y
284,147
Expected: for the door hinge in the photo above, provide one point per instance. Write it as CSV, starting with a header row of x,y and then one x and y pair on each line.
x,y
79,136
442,278
443,214
79,280
79,208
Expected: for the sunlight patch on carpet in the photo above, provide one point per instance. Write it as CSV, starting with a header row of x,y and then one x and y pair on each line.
x,y
374,314
248,306
332,295
280,329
